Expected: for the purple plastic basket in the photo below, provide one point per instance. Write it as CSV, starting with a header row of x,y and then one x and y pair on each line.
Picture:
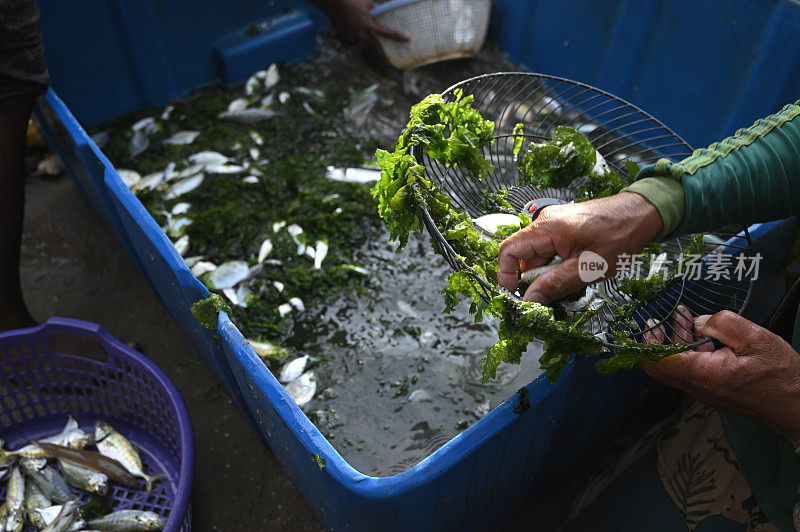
x,y
108,380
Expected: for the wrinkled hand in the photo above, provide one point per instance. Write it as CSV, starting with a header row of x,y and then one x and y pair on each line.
x,y
353,21
623,223
756,376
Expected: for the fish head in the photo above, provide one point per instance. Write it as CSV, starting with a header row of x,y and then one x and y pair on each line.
x,y
97,484
150,521
101,430
15,521
78,439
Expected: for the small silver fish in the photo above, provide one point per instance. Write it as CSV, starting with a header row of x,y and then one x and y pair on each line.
x,y
264,250
72,436
271,77
184,186
228,274
182,245
149,181
321,253
129,521
529,275
238,104
84,478
269,351
293,369
180,208
489,223
139,143
251,179
181,138
15,499
129,177
201,267
353,175
297,303
51,483
242,291
248,116
114,445
35,499
190,171
207,158
62,518
285,309
303,388
224,169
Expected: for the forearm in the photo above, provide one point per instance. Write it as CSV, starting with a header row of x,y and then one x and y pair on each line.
x,y
751,177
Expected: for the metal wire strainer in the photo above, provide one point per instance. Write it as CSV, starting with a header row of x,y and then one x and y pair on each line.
x,y
620,132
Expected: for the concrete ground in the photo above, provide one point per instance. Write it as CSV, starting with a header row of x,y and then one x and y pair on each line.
x,y
74,266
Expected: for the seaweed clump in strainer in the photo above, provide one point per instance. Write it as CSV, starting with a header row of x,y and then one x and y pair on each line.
x,y
454,133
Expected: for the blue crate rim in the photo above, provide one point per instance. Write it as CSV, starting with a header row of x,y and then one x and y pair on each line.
x,y
179,509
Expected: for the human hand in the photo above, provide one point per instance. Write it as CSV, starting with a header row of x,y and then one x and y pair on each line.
x,y
756,376
623,223
353,21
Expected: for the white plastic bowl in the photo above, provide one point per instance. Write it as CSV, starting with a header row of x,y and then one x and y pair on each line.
x,y
438,29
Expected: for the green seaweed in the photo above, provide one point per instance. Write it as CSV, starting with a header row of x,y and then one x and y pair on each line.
x,y
206,311
319,460
558,162
403,191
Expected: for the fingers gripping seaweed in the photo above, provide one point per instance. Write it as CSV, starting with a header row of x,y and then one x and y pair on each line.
x,y
454,134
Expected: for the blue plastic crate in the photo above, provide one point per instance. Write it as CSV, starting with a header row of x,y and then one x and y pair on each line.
x,y
478,478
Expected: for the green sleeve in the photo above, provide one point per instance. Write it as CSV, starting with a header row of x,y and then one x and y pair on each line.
x,y
753,176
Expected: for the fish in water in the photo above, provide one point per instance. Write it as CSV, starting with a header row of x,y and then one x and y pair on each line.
x,y
237,105
293,369
269,351
303,388
322,252
264,250
201,267
181,138
353,175
84,478
184,186
182,245
224,169
129,521
129,177
228,274
207,158
114,445
248,116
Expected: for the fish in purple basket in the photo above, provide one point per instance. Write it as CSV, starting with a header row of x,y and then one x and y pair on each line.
x,y
72,436
67,517
114,445
15,497
128,521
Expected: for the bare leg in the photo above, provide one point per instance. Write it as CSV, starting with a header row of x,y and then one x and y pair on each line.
x,y
13,125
